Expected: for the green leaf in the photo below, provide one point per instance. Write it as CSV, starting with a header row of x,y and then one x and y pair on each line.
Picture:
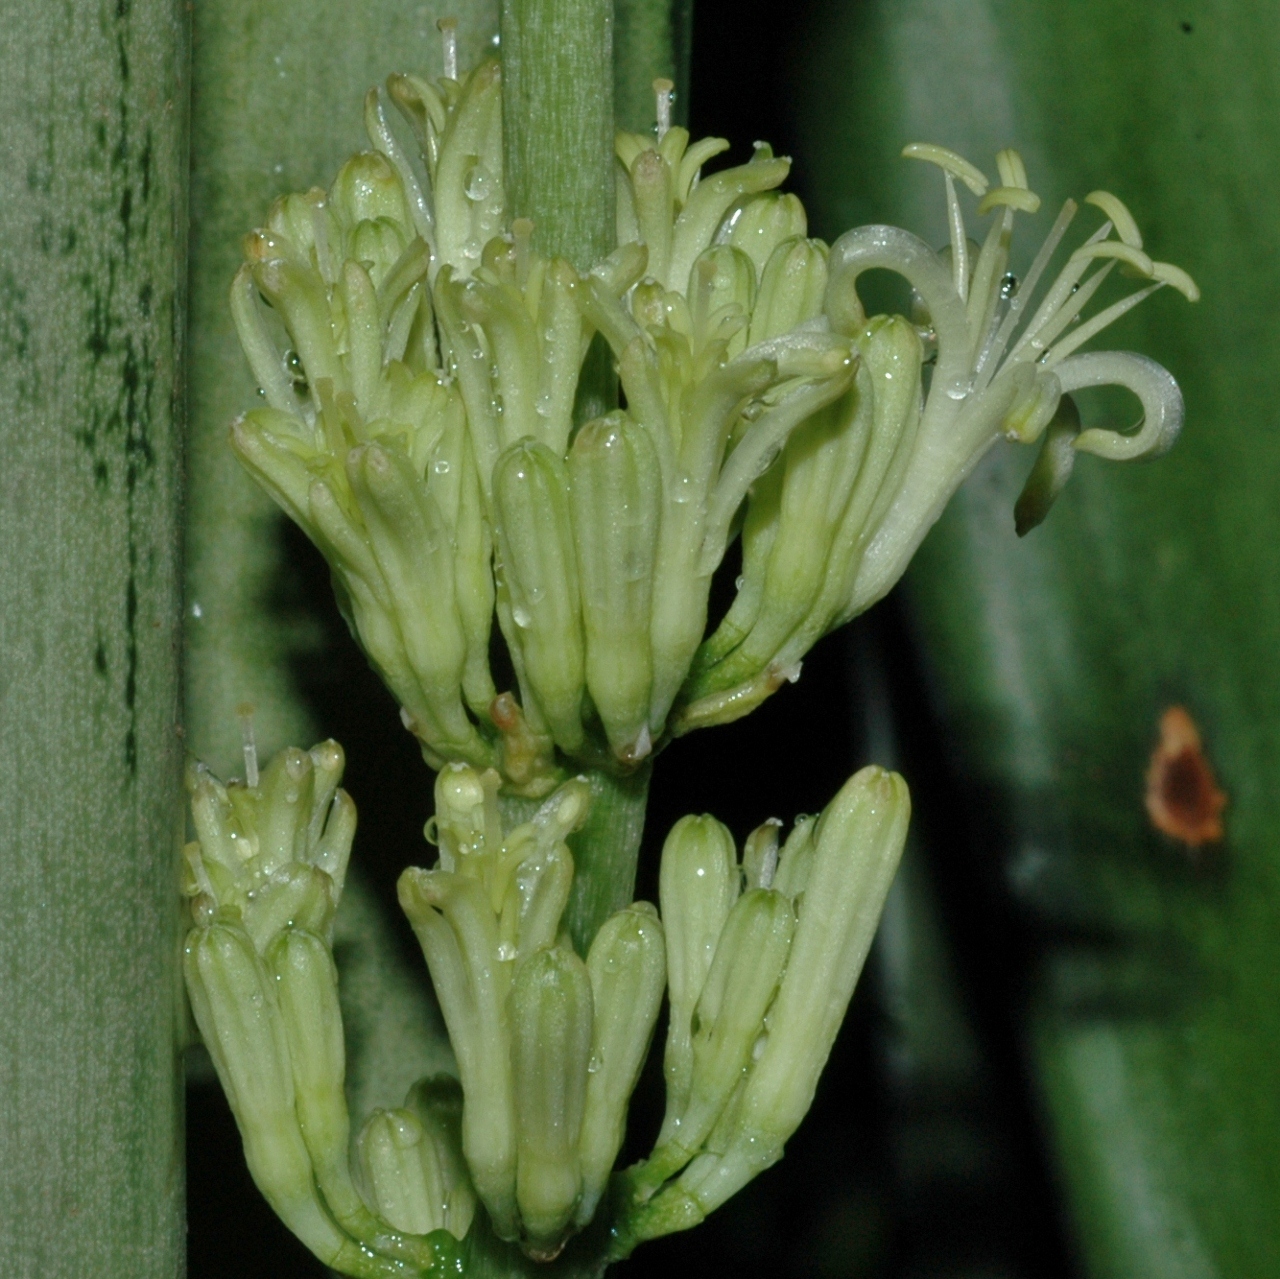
x,y
92,311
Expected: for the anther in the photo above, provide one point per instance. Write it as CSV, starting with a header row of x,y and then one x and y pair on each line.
x,y
244,713
448,28
663,91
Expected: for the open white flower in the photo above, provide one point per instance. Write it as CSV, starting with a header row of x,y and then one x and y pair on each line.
x,y
1002,367
834,523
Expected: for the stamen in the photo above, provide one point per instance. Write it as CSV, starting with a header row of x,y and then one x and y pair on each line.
x,y
1027,288
448,28
1013,173
949,162
1120,251
245,713
662,91
984,287
1037,340
1066,283
1010,197
1176,278
1098,323
959,239
1126,227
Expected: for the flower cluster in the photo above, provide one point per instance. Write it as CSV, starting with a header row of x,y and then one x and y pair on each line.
x,y
263,880
762,959
549,1045
758,960
420,362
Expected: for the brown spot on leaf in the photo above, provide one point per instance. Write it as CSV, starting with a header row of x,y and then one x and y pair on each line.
x,y
1183,798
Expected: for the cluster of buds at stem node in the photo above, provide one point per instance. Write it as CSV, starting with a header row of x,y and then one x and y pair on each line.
x,y
263,880
549,1046
758,959
762,959
420,363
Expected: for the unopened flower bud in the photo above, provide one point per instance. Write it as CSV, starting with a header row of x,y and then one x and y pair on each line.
x,y
698,884
792,286
722,291
762,223
368,189
551,1016
627,964
401,1172
297,223
615,493
234,1002
466,821
457,929
740,986
437,1102
535,537
858,841
412,547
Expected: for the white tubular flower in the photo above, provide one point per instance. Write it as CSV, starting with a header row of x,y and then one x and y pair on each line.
x,y
420,422
548,1046
1002,365
772,999
411,1164
263,879
834,524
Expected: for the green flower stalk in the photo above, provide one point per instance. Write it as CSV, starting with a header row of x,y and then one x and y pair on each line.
x,y
420,364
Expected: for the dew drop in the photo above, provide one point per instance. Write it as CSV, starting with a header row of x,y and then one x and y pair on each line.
x,y
1008,285
441,466
478,183
739,582
506,952
594,1063
521,618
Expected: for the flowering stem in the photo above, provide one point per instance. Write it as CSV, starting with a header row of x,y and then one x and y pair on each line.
x,y
558,132
557,120
92,241
605,851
